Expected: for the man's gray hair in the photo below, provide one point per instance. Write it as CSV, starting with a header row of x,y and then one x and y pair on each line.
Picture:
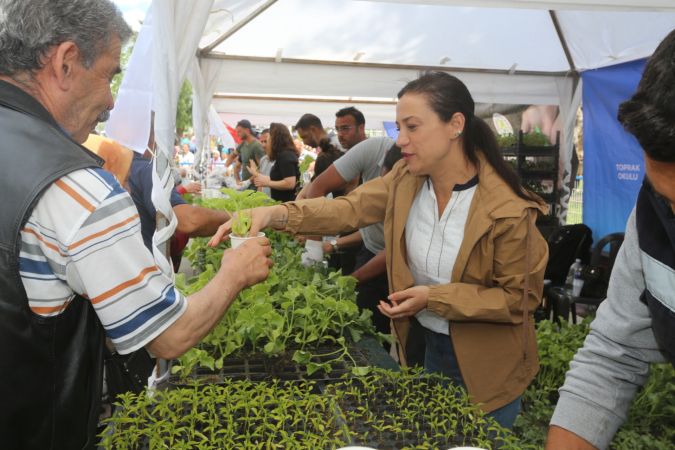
x,y
29,28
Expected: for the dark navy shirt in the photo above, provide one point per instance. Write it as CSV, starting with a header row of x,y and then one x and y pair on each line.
x,y
140,188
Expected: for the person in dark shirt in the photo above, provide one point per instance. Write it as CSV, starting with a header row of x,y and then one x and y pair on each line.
x,y
192,220
285,174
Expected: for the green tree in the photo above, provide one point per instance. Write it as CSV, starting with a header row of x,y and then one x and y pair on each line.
x,y
184,110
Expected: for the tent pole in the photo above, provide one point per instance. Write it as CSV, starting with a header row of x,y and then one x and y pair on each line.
x,y
237,27
563,42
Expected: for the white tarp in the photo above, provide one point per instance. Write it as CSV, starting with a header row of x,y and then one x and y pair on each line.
x,y
179,33
129,122
353,49
462,35
203,76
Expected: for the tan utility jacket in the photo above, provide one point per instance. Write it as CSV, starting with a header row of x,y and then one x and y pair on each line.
x,y
493,335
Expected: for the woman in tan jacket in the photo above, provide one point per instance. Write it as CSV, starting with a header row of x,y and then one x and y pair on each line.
x,y
463,254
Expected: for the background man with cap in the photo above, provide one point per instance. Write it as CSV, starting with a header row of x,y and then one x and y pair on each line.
x,y
249,149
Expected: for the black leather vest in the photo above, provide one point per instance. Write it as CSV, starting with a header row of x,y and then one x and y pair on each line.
x,y
656,235
50,367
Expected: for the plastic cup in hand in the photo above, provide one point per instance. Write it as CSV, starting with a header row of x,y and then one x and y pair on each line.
x,y
238,240
313,252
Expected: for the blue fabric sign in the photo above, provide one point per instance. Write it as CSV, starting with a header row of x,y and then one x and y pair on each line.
x,y
390,129
613,161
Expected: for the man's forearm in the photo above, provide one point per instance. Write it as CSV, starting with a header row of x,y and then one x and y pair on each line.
x,y
351,240
198,221
373,268
329,181
561,439
286,184
205,308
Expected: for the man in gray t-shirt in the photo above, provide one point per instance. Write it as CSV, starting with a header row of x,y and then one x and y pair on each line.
x,y
365,159
362,160
249,149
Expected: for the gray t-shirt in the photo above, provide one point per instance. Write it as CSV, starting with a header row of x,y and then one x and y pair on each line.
x,y
248,151
365,159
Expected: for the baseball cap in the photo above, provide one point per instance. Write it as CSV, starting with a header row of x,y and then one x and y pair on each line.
x,y
245,124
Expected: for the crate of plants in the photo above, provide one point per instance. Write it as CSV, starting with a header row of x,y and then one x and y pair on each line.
x,y
539,167
231,415
324,364
414,410
508,144
384,410
304,315
537,143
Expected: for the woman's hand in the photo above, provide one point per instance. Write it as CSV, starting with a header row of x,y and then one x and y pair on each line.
x,y
261,180
405,303
263,217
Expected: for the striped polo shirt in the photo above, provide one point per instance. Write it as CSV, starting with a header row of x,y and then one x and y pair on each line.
x,y
84,237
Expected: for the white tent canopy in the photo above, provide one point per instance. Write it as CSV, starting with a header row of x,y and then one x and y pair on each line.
x,y
269,52
457,34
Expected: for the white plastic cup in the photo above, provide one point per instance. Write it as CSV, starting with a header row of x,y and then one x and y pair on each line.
x,y
313,252
238,240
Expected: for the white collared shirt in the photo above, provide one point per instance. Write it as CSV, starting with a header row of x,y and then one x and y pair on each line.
x,y
433,243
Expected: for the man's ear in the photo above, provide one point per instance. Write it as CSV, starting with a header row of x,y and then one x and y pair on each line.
x,y
64,61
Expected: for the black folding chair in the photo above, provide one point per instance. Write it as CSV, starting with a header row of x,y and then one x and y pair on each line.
x,y
566,244
596,276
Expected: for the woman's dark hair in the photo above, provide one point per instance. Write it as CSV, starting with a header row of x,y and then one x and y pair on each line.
x,y
281,140
391,157
329,154
650,114
447,95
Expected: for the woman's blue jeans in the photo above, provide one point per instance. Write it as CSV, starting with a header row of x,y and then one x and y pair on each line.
x,y
440,358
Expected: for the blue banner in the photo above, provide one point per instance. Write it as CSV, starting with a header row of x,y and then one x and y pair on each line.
x,y
390,129
613,161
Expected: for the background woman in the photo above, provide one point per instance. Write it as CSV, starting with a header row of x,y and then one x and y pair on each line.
x,y
285,174
463,254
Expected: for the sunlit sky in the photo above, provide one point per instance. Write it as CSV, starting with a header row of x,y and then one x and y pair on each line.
x,y
133,10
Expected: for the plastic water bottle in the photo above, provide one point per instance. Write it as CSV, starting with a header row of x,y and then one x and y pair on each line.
x,y
569,281
578,282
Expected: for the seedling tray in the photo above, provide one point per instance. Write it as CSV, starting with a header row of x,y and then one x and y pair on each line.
x,y
257,367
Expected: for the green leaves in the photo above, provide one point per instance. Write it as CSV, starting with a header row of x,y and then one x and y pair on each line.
x,y
361,371
241,222
302,357
650,421
295,307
